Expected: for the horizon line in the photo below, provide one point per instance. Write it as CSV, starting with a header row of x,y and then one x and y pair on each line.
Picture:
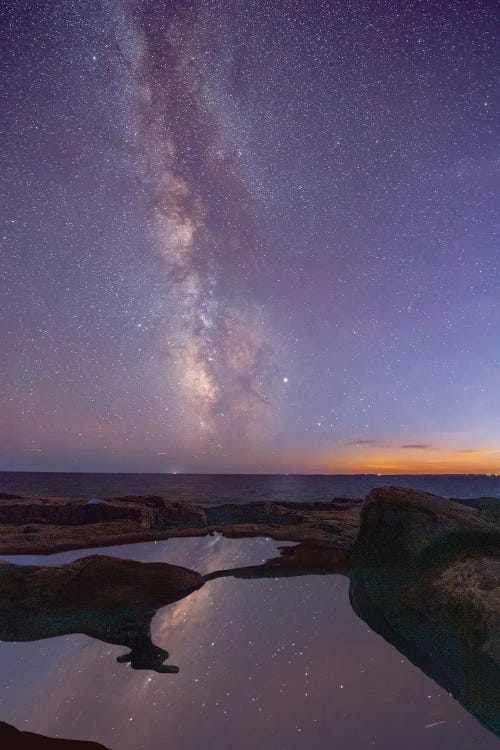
x,y
263,474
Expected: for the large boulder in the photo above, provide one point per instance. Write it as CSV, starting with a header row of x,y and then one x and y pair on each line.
x,y
425,574
417,528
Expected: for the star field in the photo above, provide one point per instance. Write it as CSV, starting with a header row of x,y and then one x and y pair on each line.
x,y
253,236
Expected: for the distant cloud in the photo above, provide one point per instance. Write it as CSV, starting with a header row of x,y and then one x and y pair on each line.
x,y
469,450
419,446
363,442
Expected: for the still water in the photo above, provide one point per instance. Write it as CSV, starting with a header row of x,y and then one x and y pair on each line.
x,y
275,664
241,488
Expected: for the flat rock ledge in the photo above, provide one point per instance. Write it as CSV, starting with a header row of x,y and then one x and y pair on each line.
x,y
48,525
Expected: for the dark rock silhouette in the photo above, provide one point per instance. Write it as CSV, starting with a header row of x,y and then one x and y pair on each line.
x,y
425,574
307,558
14,739
106,598
430,621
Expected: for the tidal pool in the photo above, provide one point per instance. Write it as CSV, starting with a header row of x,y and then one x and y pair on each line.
x,y
278,664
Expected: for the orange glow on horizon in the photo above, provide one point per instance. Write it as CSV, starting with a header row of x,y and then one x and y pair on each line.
x,y
402,461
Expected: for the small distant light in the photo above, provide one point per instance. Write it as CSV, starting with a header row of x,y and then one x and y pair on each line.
x,y
285,380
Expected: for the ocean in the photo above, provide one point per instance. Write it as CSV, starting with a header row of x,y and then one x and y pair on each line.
x,y
234,488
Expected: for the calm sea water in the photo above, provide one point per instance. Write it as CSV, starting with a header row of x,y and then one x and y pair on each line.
x,y
215,488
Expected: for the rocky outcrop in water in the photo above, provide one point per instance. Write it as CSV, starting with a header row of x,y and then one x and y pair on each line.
x,y
425,574
106,598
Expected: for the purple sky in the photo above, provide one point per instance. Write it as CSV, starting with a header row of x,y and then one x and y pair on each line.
x,y
249,236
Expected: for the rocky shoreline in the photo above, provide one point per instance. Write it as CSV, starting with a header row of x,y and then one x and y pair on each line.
x,y
44,526
424,573
48,525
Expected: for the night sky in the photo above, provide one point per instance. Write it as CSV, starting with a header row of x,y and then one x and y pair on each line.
x,y
249,236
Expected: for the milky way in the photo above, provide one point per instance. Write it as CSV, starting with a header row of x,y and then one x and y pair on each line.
x,y
250,236
216,339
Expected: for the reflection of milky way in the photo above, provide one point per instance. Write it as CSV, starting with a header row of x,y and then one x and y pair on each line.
x,y
264,663
216,343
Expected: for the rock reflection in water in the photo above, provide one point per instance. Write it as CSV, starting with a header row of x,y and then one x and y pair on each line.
x,y
132,611
451,649
106,598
